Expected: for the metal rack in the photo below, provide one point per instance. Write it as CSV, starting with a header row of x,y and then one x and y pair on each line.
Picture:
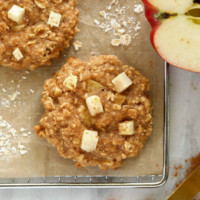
x,y
104,181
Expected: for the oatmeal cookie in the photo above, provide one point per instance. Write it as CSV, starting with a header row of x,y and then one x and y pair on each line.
x,y
35,31
96,112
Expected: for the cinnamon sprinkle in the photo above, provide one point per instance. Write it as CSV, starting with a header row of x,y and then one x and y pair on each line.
x,y
194,162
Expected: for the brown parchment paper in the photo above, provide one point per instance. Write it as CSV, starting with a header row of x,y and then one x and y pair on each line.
x,y
25,111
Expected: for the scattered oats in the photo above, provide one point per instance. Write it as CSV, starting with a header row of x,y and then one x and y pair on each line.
x,y
116,42
137,27
12,81
23,152
77,45
114,19
114,2
12,131
102,13
125,39
32,91
96,22
20,146
114,24
22,129
138,9
2,125
18,86
121,31
1,143
25,134
27,72
109,8
124,23
24,77
14,150
4,90
93,53
13,96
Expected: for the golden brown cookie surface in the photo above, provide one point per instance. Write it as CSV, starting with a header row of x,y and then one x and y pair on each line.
x,y
87,120
35,31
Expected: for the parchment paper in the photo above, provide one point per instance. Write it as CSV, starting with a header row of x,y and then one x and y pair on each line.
x,y
26,110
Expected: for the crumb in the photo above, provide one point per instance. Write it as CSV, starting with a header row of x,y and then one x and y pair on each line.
x,y
77,45
13,96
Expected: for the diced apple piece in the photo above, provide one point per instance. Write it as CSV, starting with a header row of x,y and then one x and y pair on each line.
x,y
54,19
119,99
17,54
94,105
93,86
16,13
89,140
121,82
70,82
126,128
19,27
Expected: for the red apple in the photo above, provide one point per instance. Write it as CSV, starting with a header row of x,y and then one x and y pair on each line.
x,y
176,31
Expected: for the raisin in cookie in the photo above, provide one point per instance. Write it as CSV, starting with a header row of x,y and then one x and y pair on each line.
x,y
35,31
96,112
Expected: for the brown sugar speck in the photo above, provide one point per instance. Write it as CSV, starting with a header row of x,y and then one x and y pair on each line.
x,y
177,170
194,162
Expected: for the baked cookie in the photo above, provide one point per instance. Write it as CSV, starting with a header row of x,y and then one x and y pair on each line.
x,y
35,31
96,112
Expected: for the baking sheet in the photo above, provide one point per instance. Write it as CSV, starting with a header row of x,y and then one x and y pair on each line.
x,y
21,108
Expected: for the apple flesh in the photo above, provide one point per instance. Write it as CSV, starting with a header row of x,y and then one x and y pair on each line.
x,y
176,31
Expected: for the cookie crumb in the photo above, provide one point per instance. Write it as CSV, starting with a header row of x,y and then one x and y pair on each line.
x,y
13,96
77,45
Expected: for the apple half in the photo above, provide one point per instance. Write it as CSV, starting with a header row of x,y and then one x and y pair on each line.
x,y
176,31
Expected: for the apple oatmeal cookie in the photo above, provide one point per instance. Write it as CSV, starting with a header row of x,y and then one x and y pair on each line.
x,y
96,112
35,31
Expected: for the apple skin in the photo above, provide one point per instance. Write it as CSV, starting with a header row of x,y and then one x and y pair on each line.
x,y
150,12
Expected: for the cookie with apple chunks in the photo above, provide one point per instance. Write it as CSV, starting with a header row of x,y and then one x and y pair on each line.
x,y
35,31
96,112
176,31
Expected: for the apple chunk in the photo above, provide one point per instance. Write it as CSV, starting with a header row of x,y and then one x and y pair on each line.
x,y
177,40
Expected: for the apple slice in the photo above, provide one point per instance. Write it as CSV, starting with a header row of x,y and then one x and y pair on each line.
x,y
176,31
